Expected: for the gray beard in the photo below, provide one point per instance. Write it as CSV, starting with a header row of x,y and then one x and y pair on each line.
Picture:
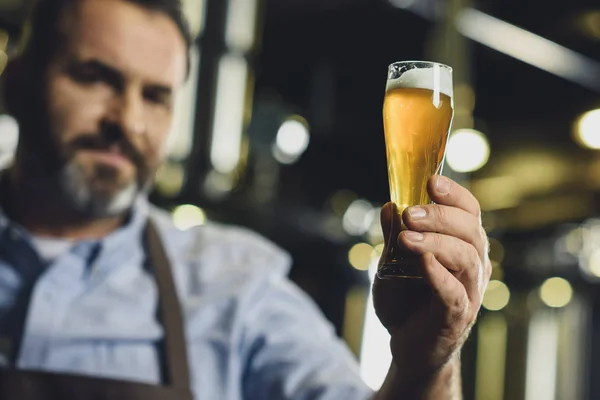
x,y
82,198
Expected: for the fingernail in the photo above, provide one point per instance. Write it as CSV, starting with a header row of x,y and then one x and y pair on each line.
x,y
442,185
413,236
417,212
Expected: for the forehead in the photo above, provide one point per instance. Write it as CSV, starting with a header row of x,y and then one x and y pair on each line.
x,y
134,40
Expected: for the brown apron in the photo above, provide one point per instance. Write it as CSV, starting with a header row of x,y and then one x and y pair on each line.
x,y
37,385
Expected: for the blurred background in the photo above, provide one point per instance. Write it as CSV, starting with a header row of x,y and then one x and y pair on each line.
x,y
280,129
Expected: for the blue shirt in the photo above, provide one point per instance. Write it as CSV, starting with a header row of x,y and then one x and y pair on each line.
x,y
251,333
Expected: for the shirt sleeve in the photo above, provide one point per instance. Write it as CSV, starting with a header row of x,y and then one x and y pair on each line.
x,y
291,352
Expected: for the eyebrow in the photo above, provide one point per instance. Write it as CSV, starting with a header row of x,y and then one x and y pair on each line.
x,y
114,74
76,64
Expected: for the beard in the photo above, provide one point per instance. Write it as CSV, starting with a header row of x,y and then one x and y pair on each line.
x,y
98,190
89,189
84,197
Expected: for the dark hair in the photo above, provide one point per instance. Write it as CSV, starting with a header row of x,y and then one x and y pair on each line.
x,y
45,32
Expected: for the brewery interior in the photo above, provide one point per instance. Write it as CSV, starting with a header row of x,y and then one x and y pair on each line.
x,y
279,129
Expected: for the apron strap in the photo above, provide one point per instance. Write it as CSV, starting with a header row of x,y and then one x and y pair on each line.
x,y
175,364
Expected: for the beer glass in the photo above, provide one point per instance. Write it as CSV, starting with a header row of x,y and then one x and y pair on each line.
x,y
417,114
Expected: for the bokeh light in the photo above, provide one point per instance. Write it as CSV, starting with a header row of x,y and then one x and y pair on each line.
x,y
496,296
556,292
468,150
188,216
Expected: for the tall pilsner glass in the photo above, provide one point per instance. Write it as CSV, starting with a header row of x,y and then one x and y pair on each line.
x,y
417,114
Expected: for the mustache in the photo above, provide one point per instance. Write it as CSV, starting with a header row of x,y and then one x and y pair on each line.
x,y
104,141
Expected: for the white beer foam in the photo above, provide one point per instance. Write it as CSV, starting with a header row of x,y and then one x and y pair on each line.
x,y
436,78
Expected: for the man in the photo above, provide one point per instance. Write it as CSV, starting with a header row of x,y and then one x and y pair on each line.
x,y
91,307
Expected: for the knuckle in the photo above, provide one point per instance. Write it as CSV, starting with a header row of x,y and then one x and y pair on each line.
x,y
458,310
436,241
441,214
478,210
484,238
474,259
428,259
471,198
488,269
477,236
473,267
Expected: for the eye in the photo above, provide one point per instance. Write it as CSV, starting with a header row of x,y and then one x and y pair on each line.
x,y
158,95
87,75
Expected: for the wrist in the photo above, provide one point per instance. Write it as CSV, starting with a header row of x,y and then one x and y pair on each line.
x,y
422,383
426,372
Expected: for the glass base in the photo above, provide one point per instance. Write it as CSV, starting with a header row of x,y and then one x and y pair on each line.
x,y
404,269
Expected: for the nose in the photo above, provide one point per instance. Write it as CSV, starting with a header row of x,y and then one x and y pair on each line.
x,y
127,112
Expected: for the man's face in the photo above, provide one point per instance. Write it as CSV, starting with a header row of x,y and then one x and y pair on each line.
x,y
109,102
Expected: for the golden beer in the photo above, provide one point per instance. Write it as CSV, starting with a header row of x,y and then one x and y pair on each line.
x,y
417,114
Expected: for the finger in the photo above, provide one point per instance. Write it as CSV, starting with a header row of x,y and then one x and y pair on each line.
x,y
444,190
458,256
450,293
449,221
